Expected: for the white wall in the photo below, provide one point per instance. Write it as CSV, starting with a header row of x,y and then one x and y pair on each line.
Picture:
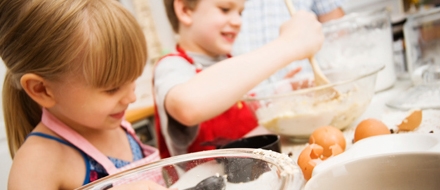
x,y
5,165
2,76
5,159
163,27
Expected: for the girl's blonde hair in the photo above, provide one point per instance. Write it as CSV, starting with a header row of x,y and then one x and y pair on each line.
x,y
171,14
98,39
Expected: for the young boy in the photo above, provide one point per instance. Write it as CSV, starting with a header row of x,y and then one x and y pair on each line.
x,y
198,89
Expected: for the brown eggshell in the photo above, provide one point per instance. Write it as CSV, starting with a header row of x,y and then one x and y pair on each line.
x,y
309,158
328,136
370,127
336,149
412,121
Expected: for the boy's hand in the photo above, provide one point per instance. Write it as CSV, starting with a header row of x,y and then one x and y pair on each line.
x,y
298,84
302,34
292,73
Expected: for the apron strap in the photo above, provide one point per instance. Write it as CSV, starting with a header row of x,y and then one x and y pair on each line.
x,y
147,150
77,140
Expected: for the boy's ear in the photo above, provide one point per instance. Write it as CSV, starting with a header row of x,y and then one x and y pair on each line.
x,y
37,88
183,13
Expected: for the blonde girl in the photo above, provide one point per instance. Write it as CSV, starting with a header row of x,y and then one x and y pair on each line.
x,y
71,66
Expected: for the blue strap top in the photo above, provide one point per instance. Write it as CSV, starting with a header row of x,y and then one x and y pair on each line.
x,y
95,170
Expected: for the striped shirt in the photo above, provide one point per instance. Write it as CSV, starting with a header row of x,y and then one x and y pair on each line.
x,y
261,21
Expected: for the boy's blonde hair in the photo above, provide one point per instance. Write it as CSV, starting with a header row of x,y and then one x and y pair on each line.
x,y
97,39
171,14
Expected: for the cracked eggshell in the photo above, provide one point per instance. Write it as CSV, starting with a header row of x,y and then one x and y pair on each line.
x,y
327,137
412,121
309,158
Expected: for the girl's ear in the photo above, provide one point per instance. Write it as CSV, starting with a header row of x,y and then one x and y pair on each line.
x,y
37,88
183,13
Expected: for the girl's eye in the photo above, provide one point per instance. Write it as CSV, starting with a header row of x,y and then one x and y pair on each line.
x,y
112,91
225,10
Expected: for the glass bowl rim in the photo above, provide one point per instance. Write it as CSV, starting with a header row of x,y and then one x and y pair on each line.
x,y
282,161
248,98
355,15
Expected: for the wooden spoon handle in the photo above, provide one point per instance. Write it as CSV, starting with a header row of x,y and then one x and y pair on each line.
x,y
320,78
290,7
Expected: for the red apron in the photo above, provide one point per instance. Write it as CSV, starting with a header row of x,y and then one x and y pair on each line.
x,y
232,124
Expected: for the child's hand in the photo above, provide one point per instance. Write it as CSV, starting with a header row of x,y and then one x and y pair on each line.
x,y
141,185
298,84
292,73
302,34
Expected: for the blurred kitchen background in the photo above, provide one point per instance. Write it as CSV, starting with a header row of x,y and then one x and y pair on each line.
x,y
152,17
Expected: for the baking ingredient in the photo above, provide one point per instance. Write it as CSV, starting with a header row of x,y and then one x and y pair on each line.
x,y
298,116
309,158
422,96
325,142
329,138
430,121
370,127
295,124
412,121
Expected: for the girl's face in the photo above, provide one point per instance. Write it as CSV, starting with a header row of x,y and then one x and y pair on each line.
x,y
84,107
215,25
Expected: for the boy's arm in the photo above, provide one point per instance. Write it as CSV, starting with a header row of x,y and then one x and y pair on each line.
x,y
335,14
214,90
328,9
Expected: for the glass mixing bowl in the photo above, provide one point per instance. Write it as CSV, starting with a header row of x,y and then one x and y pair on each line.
x,y
422,41
239,168
291,109
360,38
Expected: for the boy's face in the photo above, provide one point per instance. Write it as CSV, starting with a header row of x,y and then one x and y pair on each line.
x,y
215,25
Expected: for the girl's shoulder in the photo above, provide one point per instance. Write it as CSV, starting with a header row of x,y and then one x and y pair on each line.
x,y
41,160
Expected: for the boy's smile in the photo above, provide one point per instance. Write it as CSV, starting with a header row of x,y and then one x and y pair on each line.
x,y
229,36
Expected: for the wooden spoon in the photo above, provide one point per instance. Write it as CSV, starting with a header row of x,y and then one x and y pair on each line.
x,y
320,78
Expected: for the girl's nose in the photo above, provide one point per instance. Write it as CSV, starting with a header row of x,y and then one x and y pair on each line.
x,y
130,96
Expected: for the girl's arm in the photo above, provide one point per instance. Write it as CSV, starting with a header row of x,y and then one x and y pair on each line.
x,y
46,164
217,88
335,14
